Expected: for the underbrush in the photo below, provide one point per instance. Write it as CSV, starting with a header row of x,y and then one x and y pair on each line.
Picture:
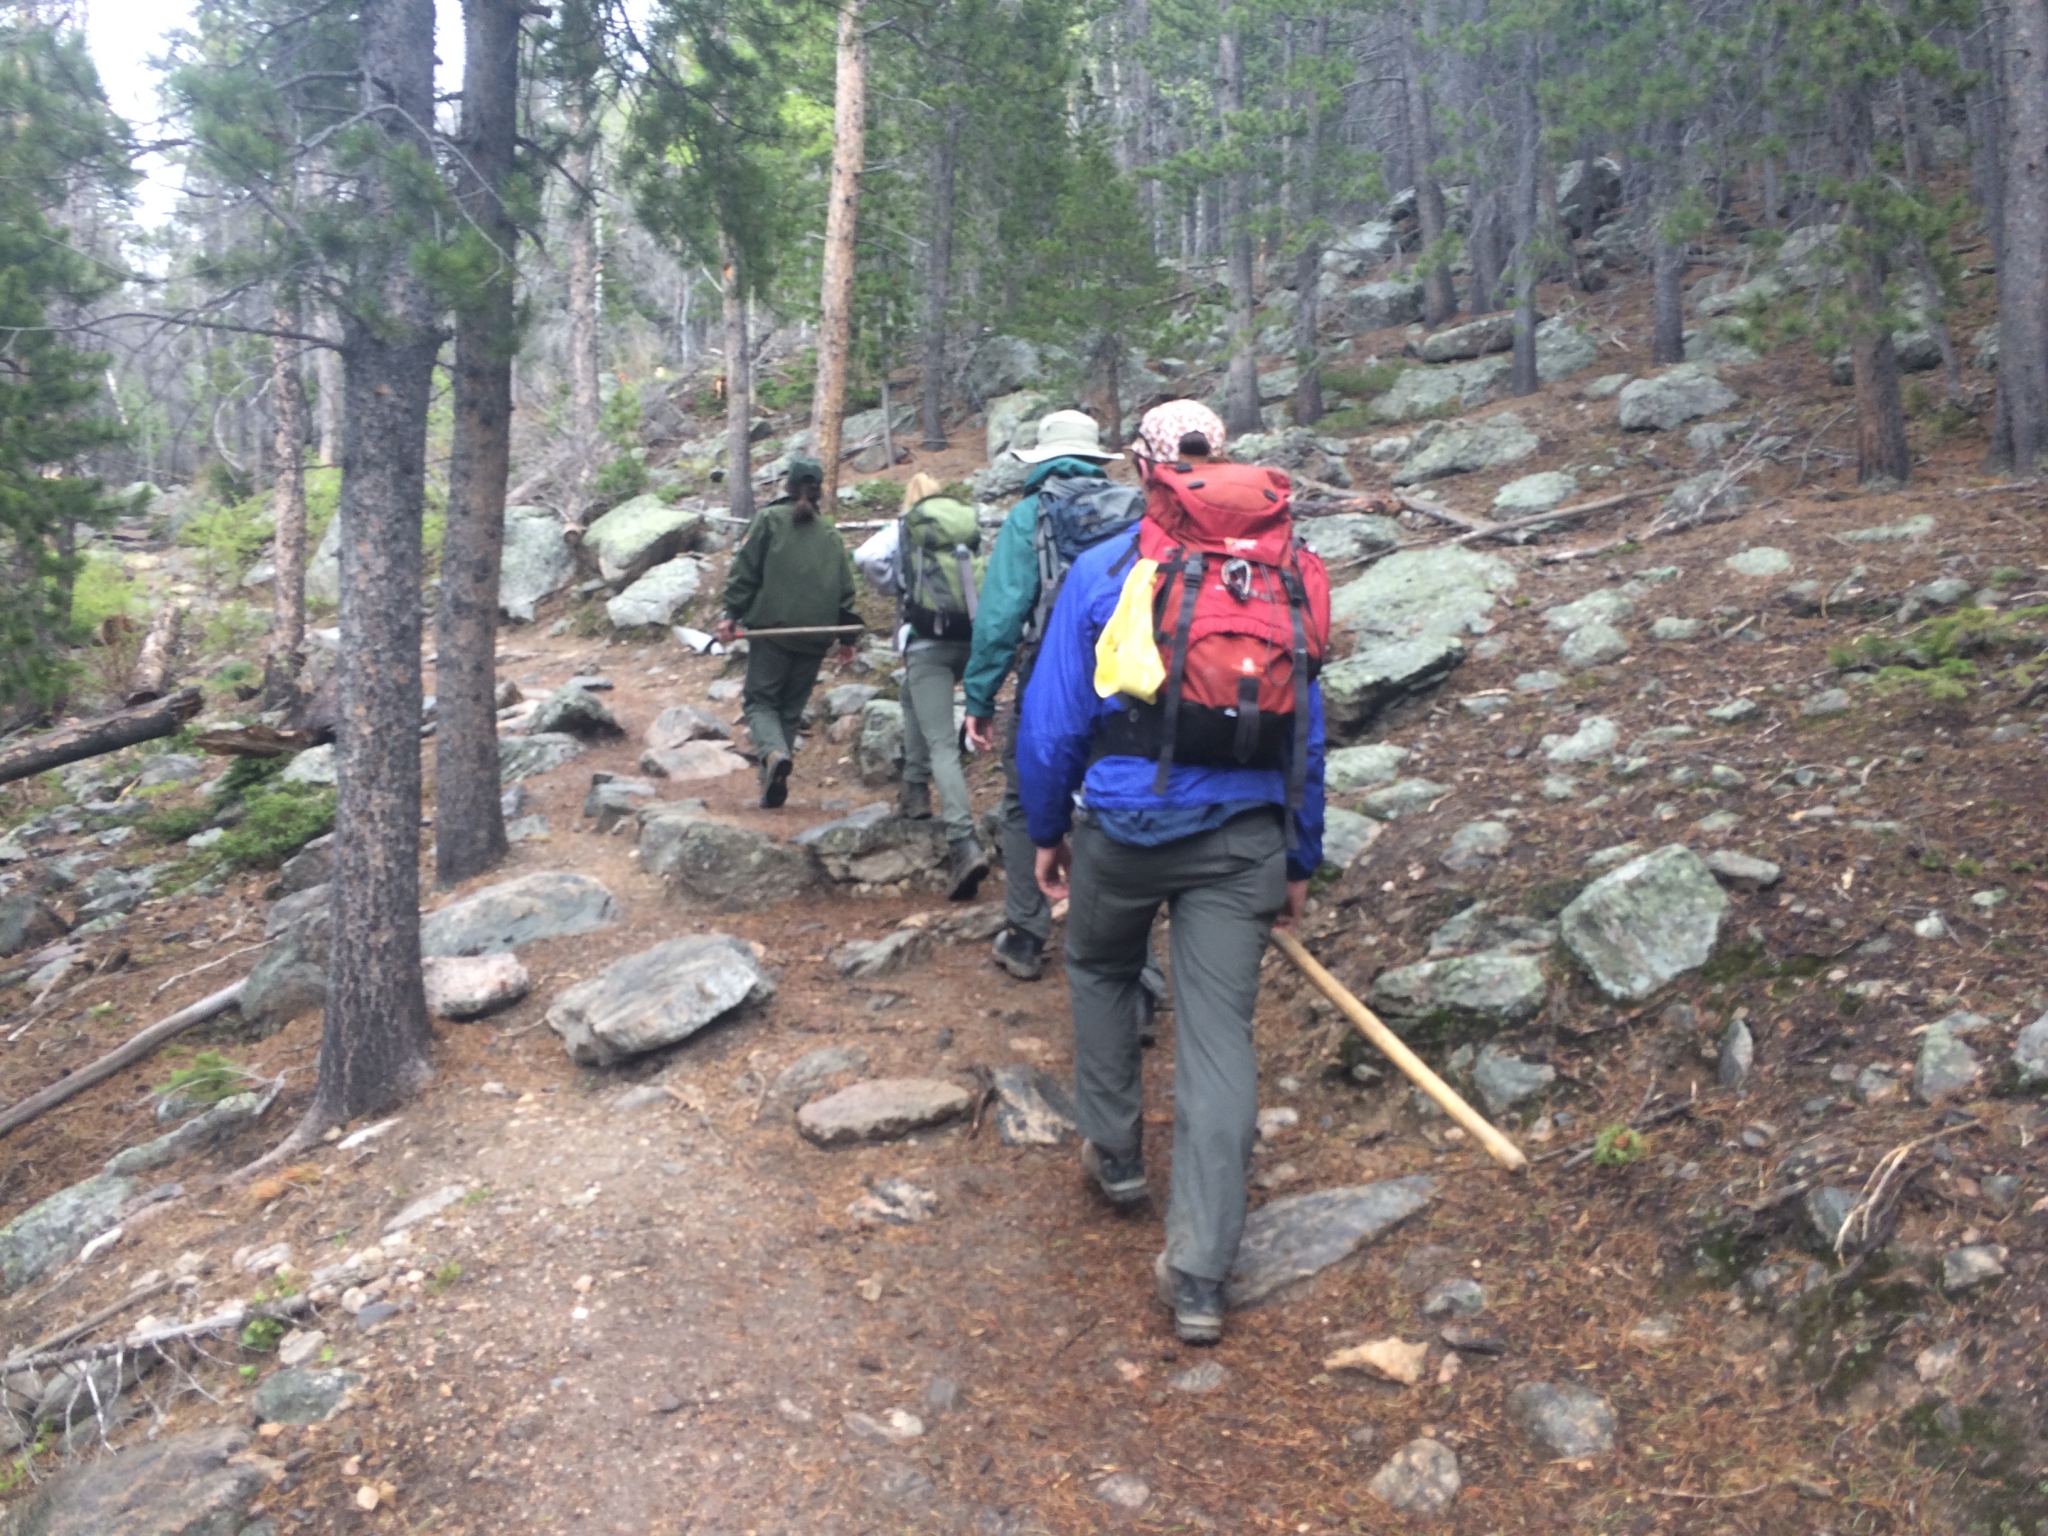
x,y
264,820
1940,658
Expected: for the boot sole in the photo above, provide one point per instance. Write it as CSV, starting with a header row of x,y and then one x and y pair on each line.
x,y
776,790
1188,1327
1122,1196
964,888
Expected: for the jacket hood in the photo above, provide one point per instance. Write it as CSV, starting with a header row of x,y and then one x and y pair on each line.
x,y
1040,473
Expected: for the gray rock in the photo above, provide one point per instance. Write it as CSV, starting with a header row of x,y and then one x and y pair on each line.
x,y
525,757
295,908
1874,1085
1349,535
1033,1108
26,923
1607,386
656,597
1595,738
1348,768
1638,927
1735,711
1565,1420
881,1109
290,978
681,724
1403,797
657,997
1292,1238
1919,527
1421,1479
692,762
1964,1269
1587,191
1489,444
576,712
1477,844
1762,560
1000,365
1681,393
473,986
538,561
1600,606
1827,1208
1346,835
1540,682
1124,1490
1670,628
1536,493
1013,421
1710,344
375,1313
1829,701
812,1070
846,699
734,869
2030,1053
1563,349
316,766
181,1485
1944,1067
1594,646
1504,1081
1381,306
1209,1376
1738,1054
311,866
1358,688
879,755
219,1122
550,904
1475,338
323,566
1743,872
296,1395
873,846
872,959
1423,394
170,768
52,1231
637,535
1704,498
1488,988
1456,1296
1479,926
1435,592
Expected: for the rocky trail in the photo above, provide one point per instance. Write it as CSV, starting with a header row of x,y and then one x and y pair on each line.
x,y
1708,865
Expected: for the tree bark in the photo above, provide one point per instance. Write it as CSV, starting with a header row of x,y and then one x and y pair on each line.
x,y
1241,380
585,394
75,743
1528,152
842,220
1881,451
1484,249
1308,262
374,1047
151,677
1137,35
469,819
938,274
739,388
1667,257
2020,436
1439,295
1982,54
288,515
327,370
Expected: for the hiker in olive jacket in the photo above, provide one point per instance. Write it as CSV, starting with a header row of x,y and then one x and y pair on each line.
x,y
792,572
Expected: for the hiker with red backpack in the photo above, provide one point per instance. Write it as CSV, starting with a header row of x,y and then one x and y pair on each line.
x,y
1171,753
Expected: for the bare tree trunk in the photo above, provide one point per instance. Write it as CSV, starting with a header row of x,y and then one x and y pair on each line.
x,y
1484,247
2020,436
150,678
1241,381
327,370
938,274
75,743
739,388
1308,262
1528,151
1439,295
585,394
1881,451
1137,34
1667,256
1982,53
288,514
469,818
842,219
375,1044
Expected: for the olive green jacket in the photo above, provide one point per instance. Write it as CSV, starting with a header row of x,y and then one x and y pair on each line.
x,y
791,575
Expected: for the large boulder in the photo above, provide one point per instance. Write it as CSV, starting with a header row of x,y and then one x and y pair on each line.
x,y
1361,248
1013,421
193,1484
575,711
1489,444
1422,394
550,904
27,923
1358,688
538,561
1487,988
1475,338
291,978
53,1231
1638,927
681,723
1000,365
656,597
661,834
637,535
1587,192
875,847
1681,393
736,869
1346,536
1380,306
657,997
1563,349
523,757
1445,591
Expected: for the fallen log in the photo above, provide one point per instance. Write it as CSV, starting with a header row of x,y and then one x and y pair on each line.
x,y
73,743
121,1056
151,679
253,741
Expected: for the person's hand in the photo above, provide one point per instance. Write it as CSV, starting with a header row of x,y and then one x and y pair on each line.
x,y
843,652
1051,868
1296,904
981,734
727,632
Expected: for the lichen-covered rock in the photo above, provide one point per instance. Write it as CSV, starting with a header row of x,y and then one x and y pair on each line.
x,y
525,757
735,869
657,997
290,978
1292,1238
1681,393
1489,988
52,1231
549,904
657,596
879,755
575,711
1490,444
194,1484
637,535
1640,926
538,561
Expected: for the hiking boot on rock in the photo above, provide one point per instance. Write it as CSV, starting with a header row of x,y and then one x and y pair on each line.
x,y
914,801
969,865
1019,953
1120,1176
775,780
1196,1304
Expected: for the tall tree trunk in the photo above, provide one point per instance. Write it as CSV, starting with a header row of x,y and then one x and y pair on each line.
x,y
1982,54
739,387
842,219
1881,451
2020,436
469,819
287,512
1667,256
1241,381
374,1047
327,372
1308,262
1484,248
938,273
1439,295
1528,152
585,394
1137,36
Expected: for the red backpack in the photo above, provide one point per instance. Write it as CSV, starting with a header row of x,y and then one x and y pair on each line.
x,y
1242,619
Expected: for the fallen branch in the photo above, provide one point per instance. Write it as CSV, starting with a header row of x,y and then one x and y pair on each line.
x,y
74,743
133,1051
247,949
151,679
235,1318
1558,514
1477,526
1875,1187
80,1329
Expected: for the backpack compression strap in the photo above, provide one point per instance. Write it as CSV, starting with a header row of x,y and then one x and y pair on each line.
x,y
1191,584
1297,768
964,564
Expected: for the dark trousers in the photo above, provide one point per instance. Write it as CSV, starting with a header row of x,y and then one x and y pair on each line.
x,y
779,684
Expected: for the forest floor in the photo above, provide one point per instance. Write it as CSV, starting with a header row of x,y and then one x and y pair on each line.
x,y
653,1312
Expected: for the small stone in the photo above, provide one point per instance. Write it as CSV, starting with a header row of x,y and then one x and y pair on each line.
x,y
1669,628
426,1206
1504,1081
1721,776
1966,1268
1271,1122
870,960
1388,1359
894,1428
575,711
1477,844
1829,701
1565,1420
1124,1490
370,1315
1741,871
1654,1332
1472,1341
667,1402
1595,738
1421,1479
1559,786
294,1396
1456,1297
299,1346
1874,1085
894,1203
1945,1066
1738,1054
1405,797
1758,1136
2001,1192
1735,711
1209,1376
1936,1361
1763,560
1540,682
1593,646
944,1395
881,1110
2030,1053
1714,823
471,986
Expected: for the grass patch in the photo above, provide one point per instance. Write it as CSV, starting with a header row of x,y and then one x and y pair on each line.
x,y
1362,383
210,1078
277,825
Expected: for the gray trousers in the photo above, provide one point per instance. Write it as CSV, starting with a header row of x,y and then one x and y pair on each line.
x,y
1222,890
779,682
931,744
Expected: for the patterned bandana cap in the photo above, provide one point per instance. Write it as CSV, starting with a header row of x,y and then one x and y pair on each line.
x,y
1159,434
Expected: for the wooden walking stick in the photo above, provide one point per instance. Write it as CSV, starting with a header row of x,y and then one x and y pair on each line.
x,y
1505,1152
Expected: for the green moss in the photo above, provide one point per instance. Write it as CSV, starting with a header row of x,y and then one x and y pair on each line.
x,y
276,825
178,823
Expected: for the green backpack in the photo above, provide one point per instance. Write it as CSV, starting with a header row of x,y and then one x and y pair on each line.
x,y
936,543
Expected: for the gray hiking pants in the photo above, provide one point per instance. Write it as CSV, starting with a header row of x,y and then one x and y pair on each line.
x,y
1222,890
1024,905
931,742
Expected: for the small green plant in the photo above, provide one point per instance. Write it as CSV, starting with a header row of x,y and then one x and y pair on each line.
x,y
877,498
263,1333
230,627
247,773
210,1078
102,591
1619,1145
1361,383
276,825
444,1277
621,480
327,1355
477,1196
1969,869
247,1373
792,385
227,538
238,677
178,823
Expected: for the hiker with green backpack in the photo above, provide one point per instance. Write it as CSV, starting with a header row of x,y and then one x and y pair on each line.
x,y
926,560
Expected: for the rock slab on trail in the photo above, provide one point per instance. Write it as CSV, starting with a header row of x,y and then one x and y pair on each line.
x,y
1033,1108
732,869
1638,927
550,904
658,997
471,986
185,1485
881,1110
1292,1238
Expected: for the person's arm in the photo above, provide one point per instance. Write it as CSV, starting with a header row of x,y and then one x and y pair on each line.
x,y
743,581
1059,716
1009,588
